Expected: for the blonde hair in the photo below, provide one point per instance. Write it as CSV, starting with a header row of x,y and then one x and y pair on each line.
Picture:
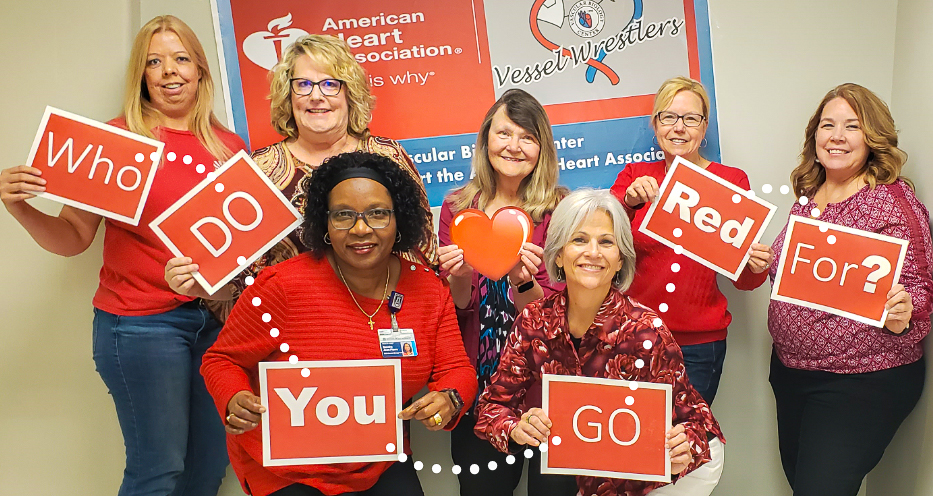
x,y
670,88
539,192
138,111
885,160
334,57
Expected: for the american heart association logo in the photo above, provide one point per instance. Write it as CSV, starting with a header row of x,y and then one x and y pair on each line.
x,y
264,48
491,246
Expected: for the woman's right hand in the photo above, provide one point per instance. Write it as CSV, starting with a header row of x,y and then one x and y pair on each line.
x,y
642,190
451,260
179,274
20,183
533,428
244,411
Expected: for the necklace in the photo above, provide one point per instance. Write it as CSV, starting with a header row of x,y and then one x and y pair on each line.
x,y
385,294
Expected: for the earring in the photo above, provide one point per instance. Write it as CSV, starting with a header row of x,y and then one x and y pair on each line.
x,y
654,139
560,274
327,238
398,237
704,143
617,279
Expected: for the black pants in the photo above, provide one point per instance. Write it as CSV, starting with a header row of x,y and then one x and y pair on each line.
x,y
400,479
833,428
467,449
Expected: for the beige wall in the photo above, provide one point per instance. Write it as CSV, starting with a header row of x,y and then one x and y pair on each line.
x,y
773,63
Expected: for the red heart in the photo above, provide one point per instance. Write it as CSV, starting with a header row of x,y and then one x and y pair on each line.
x,y
491,246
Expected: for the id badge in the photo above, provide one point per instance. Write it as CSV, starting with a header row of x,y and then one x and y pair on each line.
x,y
397,343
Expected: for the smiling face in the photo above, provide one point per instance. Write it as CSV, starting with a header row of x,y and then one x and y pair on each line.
x,y
171,76
591,259
513,151
678,139
361,247
840,140
318,113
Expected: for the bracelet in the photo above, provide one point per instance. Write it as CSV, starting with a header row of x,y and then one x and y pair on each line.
x,y
455,399
524,287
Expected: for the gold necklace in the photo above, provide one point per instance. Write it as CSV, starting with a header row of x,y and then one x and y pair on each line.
x,y
385,294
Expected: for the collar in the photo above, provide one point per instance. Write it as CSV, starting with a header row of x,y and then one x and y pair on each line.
x,y
607,319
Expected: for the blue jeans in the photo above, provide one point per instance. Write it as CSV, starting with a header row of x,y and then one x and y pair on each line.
x,y
704,367
174,437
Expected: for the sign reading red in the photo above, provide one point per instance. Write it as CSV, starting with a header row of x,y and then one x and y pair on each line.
x,y
94,166
713,221
227,221
838,269
331,411
607,428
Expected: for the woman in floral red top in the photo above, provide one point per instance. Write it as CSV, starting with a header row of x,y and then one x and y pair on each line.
x,y
591,329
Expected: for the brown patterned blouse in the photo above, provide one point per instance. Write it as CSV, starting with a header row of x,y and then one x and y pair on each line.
x,y
540,343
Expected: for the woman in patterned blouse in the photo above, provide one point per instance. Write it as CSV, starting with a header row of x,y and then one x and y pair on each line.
x,y
591,329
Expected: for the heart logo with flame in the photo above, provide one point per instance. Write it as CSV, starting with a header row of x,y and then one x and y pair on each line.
x,y
491,246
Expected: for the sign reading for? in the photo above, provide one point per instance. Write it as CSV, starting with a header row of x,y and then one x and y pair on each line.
x,y
838,269
227,221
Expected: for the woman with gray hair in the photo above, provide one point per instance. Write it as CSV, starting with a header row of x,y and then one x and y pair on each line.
x,y
585,330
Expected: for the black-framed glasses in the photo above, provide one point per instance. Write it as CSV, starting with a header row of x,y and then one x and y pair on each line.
x,y
375,218
690,120
329,87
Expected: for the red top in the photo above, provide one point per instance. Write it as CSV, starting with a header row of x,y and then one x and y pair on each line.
x,y
697,310
132,279
540,344
317,318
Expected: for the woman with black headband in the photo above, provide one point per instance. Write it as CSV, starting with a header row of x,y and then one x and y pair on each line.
x,y
362,212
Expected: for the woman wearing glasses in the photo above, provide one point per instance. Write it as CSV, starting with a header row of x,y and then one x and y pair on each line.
x,y
322,105
696,312
362,213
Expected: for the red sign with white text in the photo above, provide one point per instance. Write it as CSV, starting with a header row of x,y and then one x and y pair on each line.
x,y
607,428
838,269
227,221
94,166
713,221
338,411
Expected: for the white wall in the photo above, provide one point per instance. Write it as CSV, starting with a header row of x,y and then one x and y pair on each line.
x,y
773,62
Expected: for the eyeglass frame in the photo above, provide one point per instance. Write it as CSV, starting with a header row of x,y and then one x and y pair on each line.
x,y
679,118
315,84
360,215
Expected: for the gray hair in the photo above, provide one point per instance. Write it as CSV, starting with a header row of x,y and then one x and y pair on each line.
x,y
571,212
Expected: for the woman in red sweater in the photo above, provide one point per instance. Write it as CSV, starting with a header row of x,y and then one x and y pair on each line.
x,y
362,211
696,312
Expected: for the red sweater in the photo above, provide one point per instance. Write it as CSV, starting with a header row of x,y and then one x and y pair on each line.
x,y
697,310
316,317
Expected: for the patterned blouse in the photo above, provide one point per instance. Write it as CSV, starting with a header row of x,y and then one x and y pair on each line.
x,y
540,344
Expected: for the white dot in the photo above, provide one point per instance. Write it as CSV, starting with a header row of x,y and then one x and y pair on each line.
x,y
831,239
736,198
219,187
492,465
766,188
199,169
639,363
647,344
402,457
139,158
785,189
657,322
154,156
241,260
436,468
390,447
284,347
186,159
675,267
419,465
456,469
662,307
274,332
629,400
803,200
474,469
824,228
815,212
750,193
510,459
556,440
307,372
633,386
249,280
257,301
542,447
529,453
266,317
170,156
678,232
670,287
678,249
211,175
293,359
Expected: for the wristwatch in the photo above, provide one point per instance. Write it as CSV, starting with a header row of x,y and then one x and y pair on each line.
x,y
455,399
524,287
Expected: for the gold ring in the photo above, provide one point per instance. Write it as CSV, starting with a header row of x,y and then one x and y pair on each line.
x,y
228,417
438,418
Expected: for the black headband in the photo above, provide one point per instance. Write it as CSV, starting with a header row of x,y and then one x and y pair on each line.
x,y
364,172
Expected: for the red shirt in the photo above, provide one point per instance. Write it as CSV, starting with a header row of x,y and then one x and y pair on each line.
x,y
697,310
132,279
316,316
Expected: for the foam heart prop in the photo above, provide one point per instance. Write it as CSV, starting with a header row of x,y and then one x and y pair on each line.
x,y
491,246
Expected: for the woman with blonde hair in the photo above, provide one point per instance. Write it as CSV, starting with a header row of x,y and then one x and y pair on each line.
x,y
515,164
148,340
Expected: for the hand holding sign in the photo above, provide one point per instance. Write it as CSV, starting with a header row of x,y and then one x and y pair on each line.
x,y
244,411
900,307
492,246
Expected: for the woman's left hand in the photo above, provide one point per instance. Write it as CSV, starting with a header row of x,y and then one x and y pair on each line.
x,y
900,308
679,449
760,257
434,410
527,268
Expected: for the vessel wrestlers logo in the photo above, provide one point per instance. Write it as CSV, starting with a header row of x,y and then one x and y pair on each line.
x,y
587,18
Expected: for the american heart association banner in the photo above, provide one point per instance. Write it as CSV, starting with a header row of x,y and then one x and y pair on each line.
x,y
436,67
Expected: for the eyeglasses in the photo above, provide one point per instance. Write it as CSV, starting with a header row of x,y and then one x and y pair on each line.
x,y
690,120
329,87
375,218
